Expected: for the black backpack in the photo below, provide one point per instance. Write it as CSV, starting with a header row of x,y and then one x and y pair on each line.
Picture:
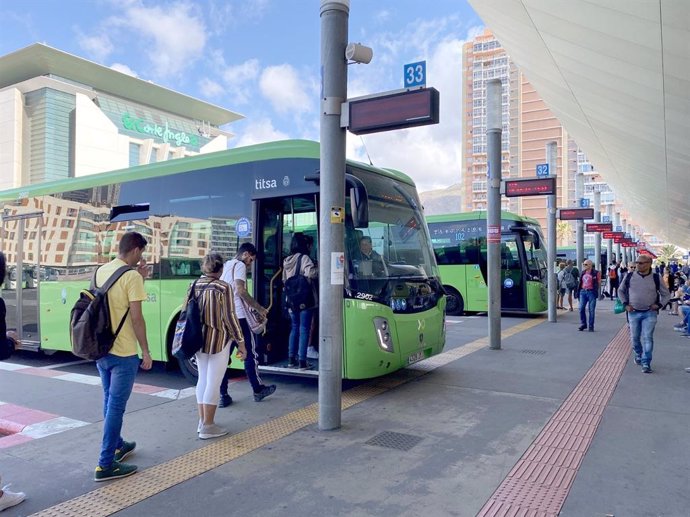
x,y
189,333
91,333
299,294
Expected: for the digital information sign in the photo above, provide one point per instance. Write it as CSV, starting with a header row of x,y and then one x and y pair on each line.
x,y
612,235
598,227
574,214
395,111
529,187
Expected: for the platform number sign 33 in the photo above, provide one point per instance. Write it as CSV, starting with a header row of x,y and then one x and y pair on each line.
x,y
414,74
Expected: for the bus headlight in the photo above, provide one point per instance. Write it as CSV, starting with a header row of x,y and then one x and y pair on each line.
x,y
383,335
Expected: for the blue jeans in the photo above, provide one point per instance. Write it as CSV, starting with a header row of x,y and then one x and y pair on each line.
x,y
117,377
587,298
299,332
685,309
642,334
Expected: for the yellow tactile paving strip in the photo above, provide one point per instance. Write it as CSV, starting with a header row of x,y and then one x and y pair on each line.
x,y
118,495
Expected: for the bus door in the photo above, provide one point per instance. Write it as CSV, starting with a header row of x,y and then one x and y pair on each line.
x,y
278,220
513,295
22,244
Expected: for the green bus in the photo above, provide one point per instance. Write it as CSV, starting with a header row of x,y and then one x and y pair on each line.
x,y
459,242
58,233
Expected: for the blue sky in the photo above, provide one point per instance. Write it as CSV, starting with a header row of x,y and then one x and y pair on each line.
x,y
261,58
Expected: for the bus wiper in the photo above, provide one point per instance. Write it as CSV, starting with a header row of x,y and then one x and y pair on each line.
x,y
407,197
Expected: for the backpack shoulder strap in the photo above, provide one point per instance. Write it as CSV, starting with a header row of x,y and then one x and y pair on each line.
x,y
626,280
93,279
114,277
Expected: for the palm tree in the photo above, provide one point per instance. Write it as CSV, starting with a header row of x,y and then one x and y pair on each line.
x,y
563,232
669,252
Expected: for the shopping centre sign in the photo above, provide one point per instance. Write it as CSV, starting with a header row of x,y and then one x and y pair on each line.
x,y
163,132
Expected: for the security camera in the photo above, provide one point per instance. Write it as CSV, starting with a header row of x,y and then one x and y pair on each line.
x,y
358,53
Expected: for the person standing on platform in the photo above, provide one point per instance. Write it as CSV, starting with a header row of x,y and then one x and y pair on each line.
x,y
119,368
8,343
590,281
643,294
613,280
220,330
235,274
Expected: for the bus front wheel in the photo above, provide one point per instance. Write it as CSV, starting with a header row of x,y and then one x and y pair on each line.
x,y
455,305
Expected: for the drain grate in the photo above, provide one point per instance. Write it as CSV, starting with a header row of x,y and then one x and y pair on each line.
x,y
400,441
533,352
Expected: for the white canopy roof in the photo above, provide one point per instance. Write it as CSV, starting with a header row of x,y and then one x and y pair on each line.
x,y
617,75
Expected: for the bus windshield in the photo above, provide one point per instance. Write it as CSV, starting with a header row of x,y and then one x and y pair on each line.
x,y
394,247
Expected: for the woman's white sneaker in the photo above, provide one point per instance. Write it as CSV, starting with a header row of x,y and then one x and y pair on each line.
x,y
211,431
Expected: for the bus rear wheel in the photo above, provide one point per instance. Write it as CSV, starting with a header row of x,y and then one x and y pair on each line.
x,y
189,369
455,305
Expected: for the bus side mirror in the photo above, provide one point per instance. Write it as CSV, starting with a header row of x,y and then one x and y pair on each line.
x,y
537,240
359,201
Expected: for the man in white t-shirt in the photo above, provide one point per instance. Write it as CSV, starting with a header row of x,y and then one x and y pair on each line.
x,y
235,274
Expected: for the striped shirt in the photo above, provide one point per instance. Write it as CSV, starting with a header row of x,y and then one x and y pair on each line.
x,y
218,314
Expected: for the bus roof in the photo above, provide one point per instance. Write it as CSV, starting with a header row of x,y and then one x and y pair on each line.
x,y
477,216
258,152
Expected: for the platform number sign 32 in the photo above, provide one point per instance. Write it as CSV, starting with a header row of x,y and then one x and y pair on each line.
x,y
414,74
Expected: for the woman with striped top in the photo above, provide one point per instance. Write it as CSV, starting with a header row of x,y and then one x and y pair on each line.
x,y
221,328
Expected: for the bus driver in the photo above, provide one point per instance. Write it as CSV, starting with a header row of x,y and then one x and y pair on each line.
x,y
370,263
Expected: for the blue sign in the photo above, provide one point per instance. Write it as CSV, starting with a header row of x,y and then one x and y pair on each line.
x,y
508,283
619,228
605,219
584,202
414,74
685,257
243,227
542,170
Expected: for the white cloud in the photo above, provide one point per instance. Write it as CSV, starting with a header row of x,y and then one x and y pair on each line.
x,y
284,89
124,69
257,132
210,88
431,155
96,47
240,81
176,33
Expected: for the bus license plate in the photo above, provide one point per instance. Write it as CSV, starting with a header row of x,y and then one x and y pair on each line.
x,y
417,356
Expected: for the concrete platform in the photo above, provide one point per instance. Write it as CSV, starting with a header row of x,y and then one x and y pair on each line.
x,y
435,440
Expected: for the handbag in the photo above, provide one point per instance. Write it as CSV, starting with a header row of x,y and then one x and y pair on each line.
x,y
257,324
189,330
618,306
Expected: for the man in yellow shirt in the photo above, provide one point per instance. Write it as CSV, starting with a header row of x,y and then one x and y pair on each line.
x,y
119,368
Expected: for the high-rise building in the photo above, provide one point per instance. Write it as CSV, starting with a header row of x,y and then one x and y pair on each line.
x,y
528,125
484,59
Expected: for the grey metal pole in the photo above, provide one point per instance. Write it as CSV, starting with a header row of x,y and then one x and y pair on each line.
x,y
334,25
579,224
597,235
494,130
609,242
616,224
552,281
624,251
